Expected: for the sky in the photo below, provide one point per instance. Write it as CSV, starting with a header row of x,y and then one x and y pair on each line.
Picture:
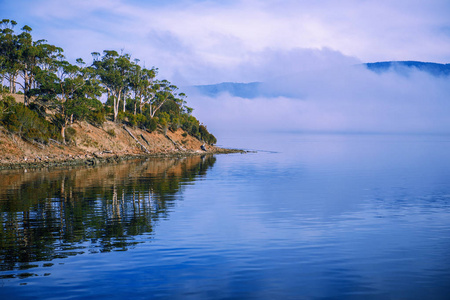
x,y
308,47
202,42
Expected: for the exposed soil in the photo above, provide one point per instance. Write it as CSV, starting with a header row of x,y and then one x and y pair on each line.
x,y
93,145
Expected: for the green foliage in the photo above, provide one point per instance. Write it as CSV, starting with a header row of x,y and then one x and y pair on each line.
x,y
170,107
70,134
132,119
121,116
164,119
206,136
146,122
111,132
175,124
27,123
151,124
97,117
191,125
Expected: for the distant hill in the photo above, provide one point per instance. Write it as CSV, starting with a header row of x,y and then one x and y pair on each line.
x,y
256,89
405,66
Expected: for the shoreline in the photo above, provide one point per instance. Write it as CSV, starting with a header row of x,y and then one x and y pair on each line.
x,y
101,159
91,145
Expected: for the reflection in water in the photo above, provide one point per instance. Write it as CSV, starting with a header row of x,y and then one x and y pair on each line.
x,y
51,214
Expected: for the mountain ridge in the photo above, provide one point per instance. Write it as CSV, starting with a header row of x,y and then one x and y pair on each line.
x,y
255,89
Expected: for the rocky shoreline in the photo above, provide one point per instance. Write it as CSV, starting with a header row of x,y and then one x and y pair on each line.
x,y
98,159
91,145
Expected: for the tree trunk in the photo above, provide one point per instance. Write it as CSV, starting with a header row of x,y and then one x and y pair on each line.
x,y
63,133
124,102
116,106
12,84
25,89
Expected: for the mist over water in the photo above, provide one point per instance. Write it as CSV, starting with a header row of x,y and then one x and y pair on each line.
x,y
349,99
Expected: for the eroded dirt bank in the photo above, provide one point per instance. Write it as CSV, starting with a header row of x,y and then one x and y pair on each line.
x,y
95,145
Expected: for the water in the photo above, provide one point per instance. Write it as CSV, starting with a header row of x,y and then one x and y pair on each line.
x,y
306,217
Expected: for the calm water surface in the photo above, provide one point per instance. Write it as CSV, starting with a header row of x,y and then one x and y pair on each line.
x,y
306,217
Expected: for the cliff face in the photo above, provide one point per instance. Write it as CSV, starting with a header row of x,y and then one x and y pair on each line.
x,y
110,140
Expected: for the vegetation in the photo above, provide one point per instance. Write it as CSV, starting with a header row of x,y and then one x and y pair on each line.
x,y
57,93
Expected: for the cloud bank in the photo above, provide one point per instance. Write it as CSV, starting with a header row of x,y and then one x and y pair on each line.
x,y
343,100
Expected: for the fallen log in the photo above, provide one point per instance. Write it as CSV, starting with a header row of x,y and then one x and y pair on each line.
x,y
129,132
145,140
175,144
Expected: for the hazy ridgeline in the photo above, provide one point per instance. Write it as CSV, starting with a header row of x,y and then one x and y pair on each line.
x,y
352,99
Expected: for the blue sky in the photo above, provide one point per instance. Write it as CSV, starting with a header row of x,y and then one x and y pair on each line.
x,y
200,42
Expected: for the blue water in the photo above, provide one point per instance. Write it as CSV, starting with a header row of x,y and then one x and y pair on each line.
x,y
304,217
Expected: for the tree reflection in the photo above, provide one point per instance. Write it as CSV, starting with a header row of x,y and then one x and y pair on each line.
x,y
50,214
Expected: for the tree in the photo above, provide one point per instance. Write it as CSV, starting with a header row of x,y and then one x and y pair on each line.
x,y
113,70
67,90
141,83
21,56
158,94
9,53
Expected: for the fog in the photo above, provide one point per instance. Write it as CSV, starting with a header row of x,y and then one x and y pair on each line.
x,y
349,99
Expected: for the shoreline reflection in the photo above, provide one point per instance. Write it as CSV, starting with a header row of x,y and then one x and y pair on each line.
x,y
57,213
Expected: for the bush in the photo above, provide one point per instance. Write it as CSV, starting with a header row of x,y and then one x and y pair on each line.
x,y
111,132
28,124
147,123
175,124
97,117
206,136
70,134
121,116
132,119
141,119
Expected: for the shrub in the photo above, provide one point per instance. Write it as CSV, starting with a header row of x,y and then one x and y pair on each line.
x,y
97,117
28,124
111,132
206,136
175,124
121,116
70,134
150,124
132,119
141,119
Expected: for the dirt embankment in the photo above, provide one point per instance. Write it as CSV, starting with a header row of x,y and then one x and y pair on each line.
x,y
92,145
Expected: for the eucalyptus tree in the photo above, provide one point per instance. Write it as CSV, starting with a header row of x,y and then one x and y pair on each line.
x,y
33,58
141,83
66,90
8,53
113,70
135,83
22,57
158,94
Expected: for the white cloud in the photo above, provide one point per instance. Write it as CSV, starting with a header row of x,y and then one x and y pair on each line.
x,y
198,41
337,100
